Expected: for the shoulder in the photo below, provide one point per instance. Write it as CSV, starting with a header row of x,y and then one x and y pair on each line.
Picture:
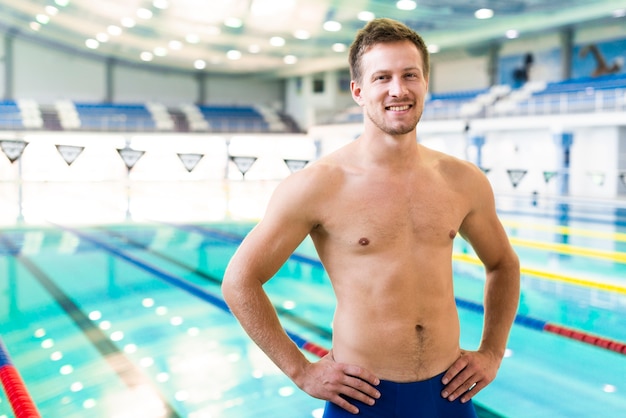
x,y
457,171
303,194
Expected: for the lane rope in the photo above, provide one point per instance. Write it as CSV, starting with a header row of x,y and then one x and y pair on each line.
x,y
522,320
15,388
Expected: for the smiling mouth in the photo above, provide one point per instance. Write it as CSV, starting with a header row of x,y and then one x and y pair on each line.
x,y
398,108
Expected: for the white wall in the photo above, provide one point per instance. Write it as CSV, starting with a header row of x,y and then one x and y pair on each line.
x,y
47,75
168,88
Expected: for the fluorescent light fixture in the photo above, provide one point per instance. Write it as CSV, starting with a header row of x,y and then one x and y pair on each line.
x,y
366,16
406,5
433,49
302,34
512,34
114,30
233,22
339,47
483,14
233,54
332,26
144,14
92,44
146,56
128,22
277,41
290,59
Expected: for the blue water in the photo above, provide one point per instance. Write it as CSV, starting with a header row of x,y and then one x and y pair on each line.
x,y
98,324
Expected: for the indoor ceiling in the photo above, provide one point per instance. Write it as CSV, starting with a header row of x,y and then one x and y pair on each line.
x,y
275,37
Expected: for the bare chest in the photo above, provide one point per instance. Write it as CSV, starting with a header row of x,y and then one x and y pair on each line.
x,y
396,214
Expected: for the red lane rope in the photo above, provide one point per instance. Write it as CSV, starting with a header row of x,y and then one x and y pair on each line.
x,y
13,385
587,338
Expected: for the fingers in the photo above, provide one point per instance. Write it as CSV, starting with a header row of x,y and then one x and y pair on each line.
x,y
465,378
340,383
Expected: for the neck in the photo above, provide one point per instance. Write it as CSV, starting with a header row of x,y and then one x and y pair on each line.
x,y
389,151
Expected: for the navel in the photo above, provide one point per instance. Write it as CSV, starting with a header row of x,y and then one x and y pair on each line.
x,y
452,234
364,241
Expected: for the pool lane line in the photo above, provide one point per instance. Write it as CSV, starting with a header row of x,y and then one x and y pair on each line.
x,y
544,326
128,372
286,313
20,400
466,258
567,230
542,274
568,249
522,320
199,292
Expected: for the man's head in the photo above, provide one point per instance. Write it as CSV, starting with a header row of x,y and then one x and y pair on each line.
x,y
379,31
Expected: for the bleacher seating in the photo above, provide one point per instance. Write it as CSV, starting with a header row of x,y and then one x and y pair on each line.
x,y
234,118
114,117
10,116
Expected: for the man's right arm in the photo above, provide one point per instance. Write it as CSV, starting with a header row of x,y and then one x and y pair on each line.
x,y
287,222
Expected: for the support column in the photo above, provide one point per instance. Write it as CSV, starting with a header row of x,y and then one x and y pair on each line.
x,y
109,82
9,81
564,141
567,45
478,142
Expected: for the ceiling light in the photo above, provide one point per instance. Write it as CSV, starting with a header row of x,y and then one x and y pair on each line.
x,y
302,34
254,49
102,37
233,22
35,26
406,5
160,4
619,13
175,45
366,16
92,44
144,13
339,47
128,22
483,14
277,41
199,64
43,19
433,49
267,8
51,10
512,34
146,56
233,54
62,3
290,59
192,38
332,26
114,30
159,51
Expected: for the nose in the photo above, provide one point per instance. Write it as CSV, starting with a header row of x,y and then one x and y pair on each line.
x,y
397,87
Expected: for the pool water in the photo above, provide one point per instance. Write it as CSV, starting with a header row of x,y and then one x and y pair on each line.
x,y
126,319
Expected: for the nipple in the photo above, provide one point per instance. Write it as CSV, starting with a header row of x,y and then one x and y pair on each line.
x,y
452,234
364,241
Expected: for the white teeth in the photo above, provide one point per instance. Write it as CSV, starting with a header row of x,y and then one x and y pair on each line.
x,y
398,108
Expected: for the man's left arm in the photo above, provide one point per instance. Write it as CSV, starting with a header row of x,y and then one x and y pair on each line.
x,y
474,370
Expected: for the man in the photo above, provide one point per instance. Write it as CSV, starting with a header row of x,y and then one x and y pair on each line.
x,y
383,212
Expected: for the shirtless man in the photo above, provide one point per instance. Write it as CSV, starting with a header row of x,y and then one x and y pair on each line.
x,y
383,212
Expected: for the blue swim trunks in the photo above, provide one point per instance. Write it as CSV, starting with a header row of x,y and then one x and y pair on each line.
x,y
407,400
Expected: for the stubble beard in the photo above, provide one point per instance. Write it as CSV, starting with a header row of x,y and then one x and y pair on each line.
x,y
396,129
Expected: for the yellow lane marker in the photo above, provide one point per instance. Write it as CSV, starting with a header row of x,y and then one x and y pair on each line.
x,y
571,249
466,258
567,230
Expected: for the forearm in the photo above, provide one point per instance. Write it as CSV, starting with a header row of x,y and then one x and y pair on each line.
x,y
501,301
253,309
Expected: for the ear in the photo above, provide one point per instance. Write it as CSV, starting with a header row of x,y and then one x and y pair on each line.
x,y
356,92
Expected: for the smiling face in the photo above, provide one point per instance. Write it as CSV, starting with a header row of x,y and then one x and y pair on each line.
x,y
393,87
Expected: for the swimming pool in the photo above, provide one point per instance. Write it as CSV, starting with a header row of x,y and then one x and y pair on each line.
x,y
125,319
